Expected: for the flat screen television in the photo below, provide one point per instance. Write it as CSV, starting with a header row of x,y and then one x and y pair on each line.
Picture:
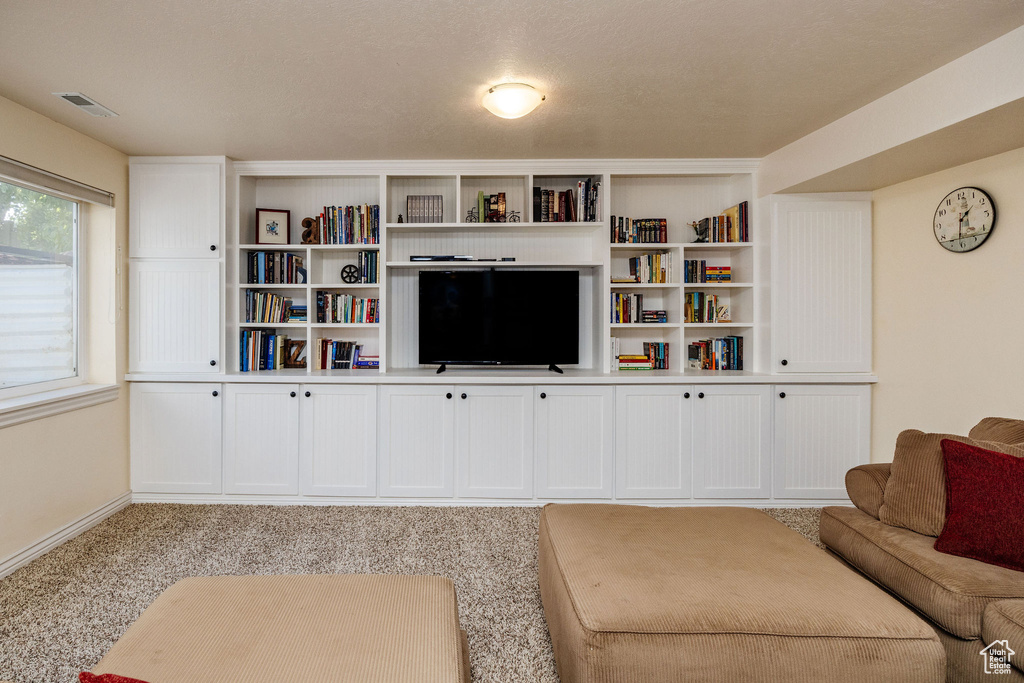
x,y
499,317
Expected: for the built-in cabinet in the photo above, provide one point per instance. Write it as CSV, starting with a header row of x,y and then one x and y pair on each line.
x,y
786,428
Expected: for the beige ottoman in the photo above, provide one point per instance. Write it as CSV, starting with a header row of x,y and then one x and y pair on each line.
x,y
263,629
716,594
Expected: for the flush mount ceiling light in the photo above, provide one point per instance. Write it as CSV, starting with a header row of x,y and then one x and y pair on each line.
x,y
512,100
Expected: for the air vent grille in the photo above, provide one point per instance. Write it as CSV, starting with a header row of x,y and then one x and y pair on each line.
x,y
85,103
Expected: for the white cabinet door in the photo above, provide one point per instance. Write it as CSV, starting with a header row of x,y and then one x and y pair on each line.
x,y
653,440
416,444
821,285
821,431
574,441
732,442
494,441
338,440
261,438
176,438
174,316
175,209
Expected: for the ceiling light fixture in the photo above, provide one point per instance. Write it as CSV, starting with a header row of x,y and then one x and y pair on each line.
x,y
512,100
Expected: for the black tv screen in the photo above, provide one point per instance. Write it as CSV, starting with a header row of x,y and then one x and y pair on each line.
x,y
499,317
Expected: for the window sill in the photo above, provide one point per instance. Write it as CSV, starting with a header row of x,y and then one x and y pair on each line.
x,y
36,406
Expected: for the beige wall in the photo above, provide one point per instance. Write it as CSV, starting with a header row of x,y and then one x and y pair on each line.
x,y
948,328
55,470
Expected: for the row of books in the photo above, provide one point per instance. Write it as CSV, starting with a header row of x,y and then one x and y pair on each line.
x,y
368,263
349,225
638,230
329,354
267,307
651,268
275,268
582,204
490,208
700,307
720,353
699,272
732,225
261,350
654,357
332,307
424,208
657,352
629,308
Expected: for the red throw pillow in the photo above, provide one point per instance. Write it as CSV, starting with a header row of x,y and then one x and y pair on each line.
x,y
984,505
86,677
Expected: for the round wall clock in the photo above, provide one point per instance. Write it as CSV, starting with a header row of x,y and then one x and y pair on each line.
x,y
964,219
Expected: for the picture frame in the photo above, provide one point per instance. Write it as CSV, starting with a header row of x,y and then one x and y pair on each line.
x,y
273,226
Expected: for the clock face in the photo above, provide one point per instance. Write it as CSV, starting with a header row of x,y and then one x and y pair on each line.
x,y
964,219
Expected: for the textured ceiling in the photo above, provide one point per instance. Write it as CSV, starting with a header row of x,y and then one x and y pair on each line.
x,y
402,79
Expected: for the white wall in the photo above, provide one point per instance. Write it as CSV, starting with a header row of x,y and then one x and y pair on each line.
x,y
55,470
948,328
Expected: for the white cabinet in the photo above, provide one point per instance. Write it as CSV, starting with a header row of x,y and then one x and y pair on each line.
x,y
416,442
338,440
174,316
176,438
732,441
574,442
261,439
176,209
494,441
821,431
653,441
821,285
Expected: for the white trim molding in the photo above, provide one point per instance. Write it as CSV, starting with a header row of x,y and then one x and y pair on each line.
x,y
35,406
44,545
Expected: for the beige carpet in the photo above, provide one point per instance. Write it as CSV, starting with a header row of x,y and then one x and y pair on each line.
x,y
60,613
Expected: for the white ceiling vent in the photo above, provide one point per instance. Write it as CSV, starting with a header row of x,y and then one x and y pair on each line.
x,y
86,104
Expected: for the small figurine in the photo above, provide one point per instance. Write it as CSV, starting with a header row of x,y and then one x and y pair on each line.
x,y
309,231
400,218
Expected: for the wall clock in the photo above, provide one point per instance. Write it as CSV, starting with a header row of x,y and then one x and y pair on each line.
x,y
964,219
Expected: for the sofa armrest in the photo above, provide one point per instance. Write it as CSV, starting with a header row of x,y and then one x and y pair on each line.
x,y
1004,620
865,485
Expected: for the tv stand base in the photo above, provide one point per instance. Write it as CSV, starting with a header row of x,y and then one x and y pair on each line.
x,y
555,368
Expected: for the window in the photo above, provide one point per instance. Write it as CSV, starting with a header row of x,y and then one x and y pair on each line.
x,y
38,288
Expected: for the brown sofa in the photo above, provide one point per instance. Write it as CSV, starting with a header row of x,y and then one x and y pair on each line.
x,y
890,536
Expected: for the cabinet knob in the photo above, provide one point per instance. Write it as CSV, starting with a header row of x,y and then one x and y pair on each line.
x,y
213,247
700,395
308,394
292,394
784,361
782,394
216,393
463,396
543,395
686,394
448,395
213,362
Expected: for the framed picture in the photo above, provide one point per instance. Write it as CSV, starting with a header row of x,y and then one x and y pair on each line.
x,y
273,226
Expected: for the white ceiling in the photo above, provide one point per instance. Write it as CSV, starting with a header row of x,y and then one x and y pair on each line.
x,y
402,79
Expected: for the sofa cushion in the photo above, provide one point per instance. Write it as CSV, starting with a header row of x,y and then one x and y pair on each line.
x,y
1004,620
998,429
985,504
865,484
636,593
951,591
915,493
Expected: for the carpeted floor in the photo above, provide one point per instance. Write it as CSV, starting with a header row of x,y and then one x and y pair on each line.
x,y
62,612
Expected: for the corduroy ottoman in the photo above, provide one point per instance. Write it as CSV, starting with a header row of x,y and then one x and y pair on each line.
x,y
716,594
263,629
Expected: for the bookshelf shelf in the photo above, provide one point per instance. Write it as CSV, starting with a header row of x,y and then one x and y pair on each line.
x,y
342,247
258,285
490,227
717,285
645,246
717,245
493,264
272,325
343,285
645,285
342,325
717,325
646,326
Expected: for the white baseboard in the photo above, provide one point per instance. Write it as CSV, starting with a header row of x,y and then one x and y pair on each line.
x,y
19,559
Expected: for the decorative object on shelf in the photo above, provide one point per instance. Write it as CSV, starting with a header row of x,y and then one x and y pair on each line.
x,y
964,219
309,231
473,215
700,234
350,274
293,348
400,219
512,100
272,226
513,217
